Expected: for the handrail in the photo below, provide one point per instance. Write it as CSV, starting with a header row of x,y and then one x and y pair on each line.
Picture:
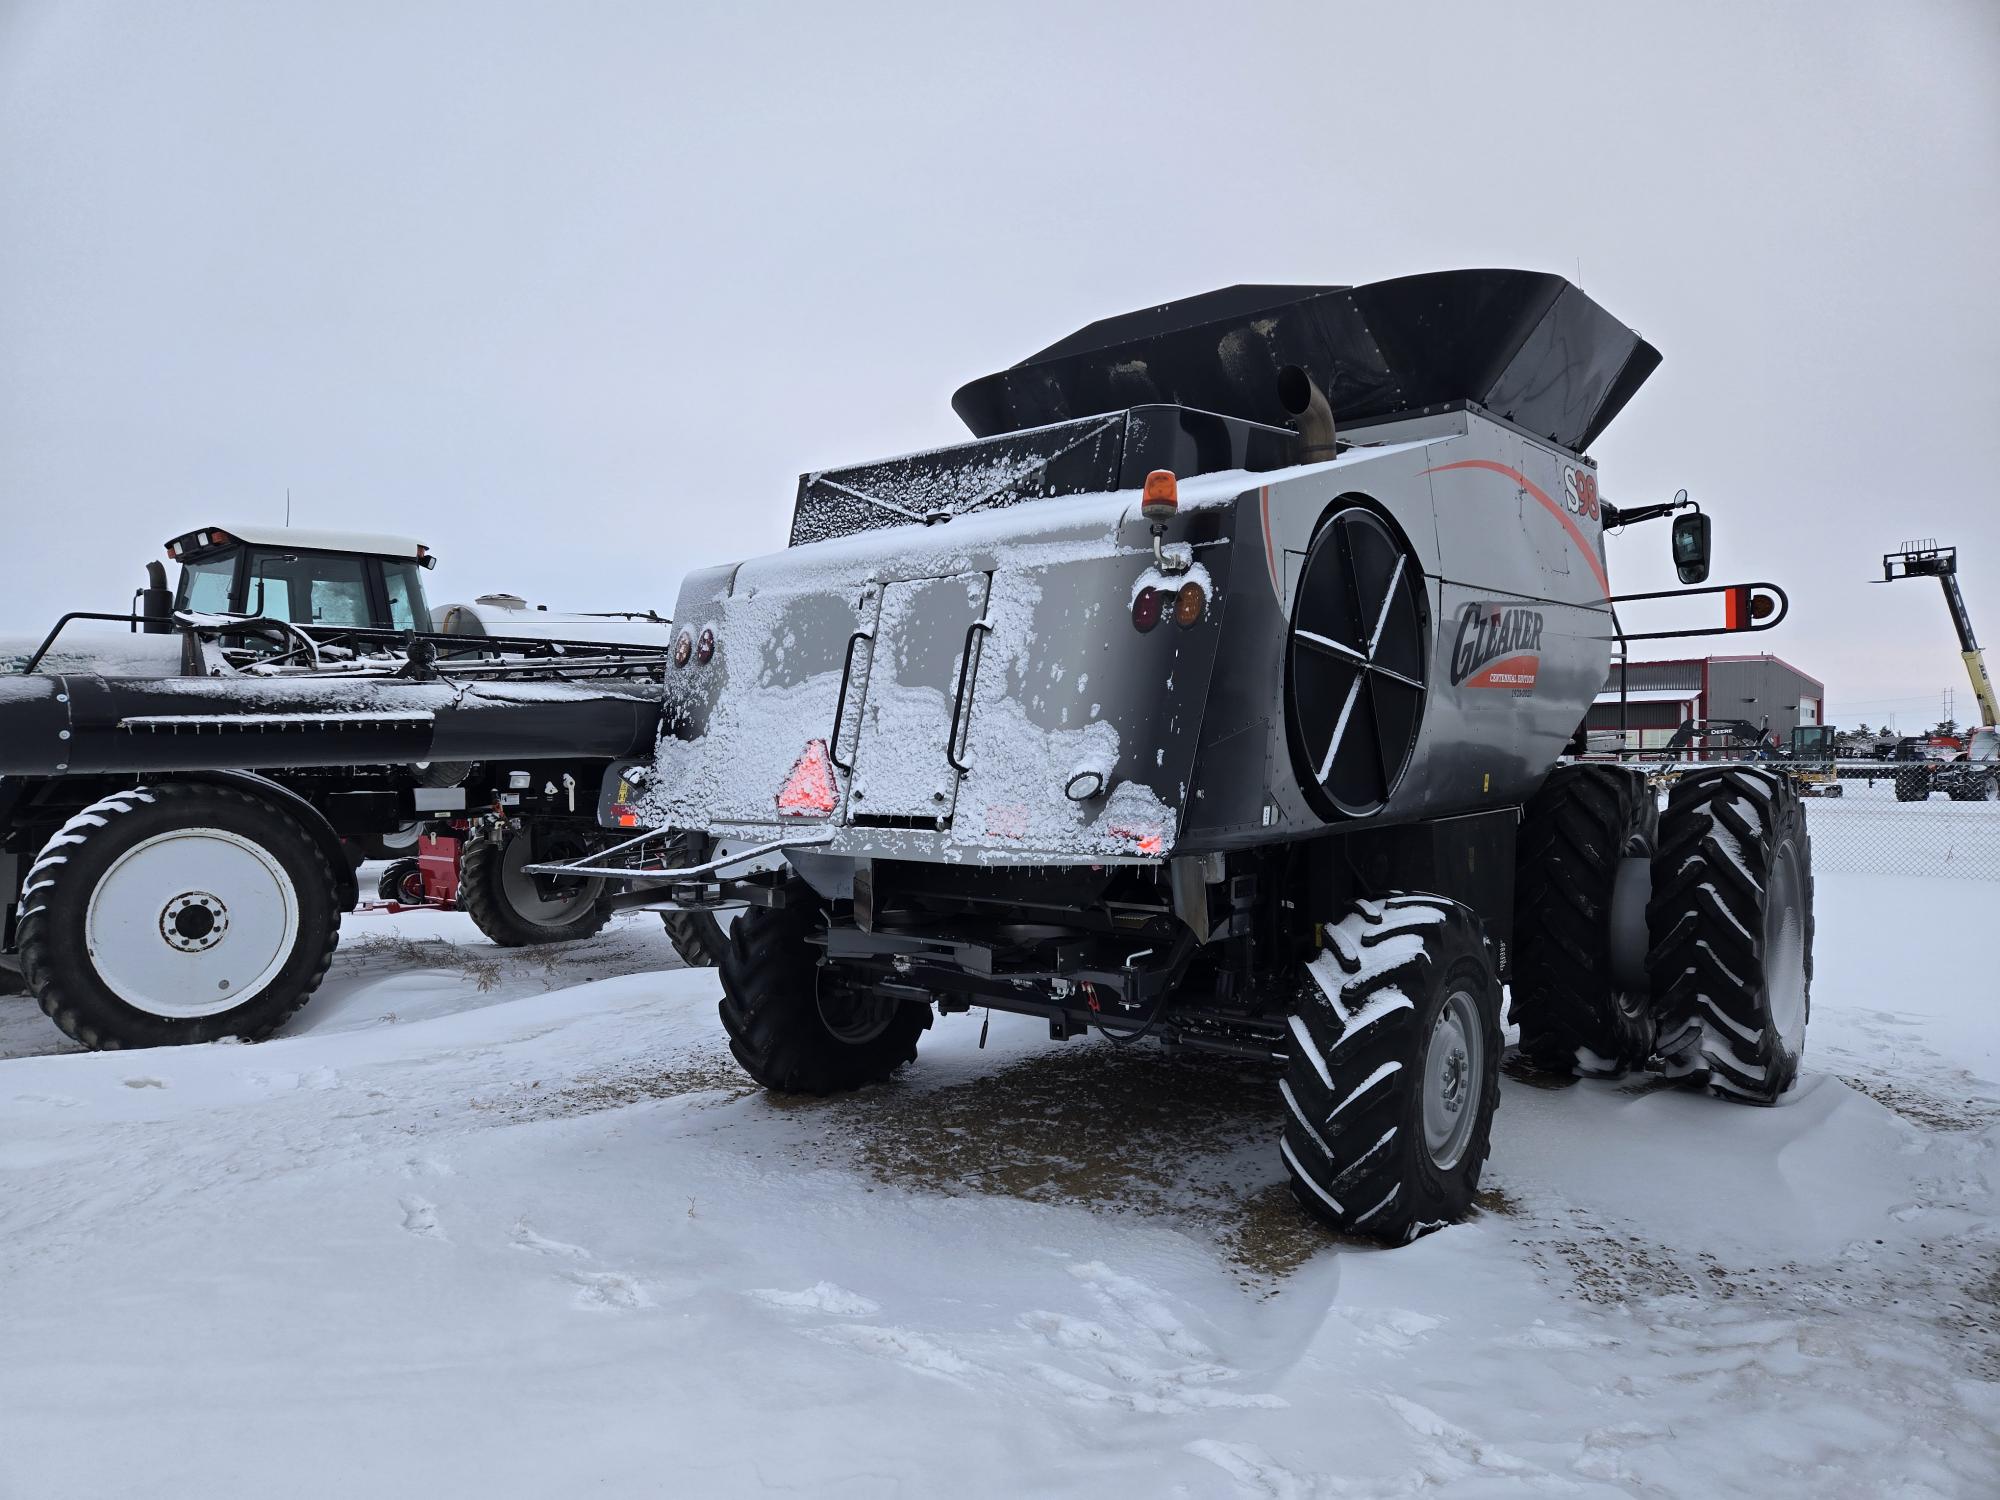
x,y
840,703
965,671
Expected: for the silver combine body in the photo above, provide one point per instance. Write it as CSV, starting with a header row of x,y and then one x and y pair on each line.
x,y
1185,729
1408,629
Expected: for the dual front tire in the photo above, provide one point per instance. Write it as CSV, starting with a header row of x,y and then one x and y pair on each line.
x,y
1679,939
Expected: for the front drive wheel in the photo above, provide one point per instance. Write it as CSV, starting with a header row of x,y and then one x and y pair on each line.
x,y
1584,873
516,909
797,1028
1732,927
1393,1069
177,913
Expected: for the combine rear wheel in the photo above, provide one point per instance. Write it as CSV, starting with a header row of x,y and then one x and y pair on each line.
x,y
1732,929
1393,1070
177,913
793,1027
1585,873
516,909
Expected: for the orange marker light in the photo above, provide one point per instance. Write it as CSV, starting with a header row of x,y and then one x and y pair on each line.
x,y
1189,604
1162,496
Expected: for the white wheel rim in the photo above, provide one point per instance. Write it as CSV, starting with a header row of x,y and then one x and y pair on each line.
x,y
1785,949
1454,1073
191,923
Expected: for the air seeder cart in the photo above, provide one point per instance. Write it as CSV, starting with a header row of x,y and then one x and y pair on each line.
x,y
1146,713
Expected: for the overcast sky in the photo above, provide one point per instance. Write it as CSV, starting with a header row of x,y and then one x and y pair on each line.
x,y
575,291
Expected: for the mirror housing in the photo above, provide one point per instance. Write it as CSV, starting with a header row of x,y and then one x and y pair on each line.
x,y
1691,546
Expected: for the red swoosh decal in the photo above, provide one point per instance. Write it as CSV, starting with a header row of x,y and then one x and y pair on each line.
x,y
1575,532
1270,556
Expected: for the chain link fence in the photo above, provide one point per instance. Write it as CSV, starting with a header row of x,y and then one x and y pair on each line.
x,y
1867,830
1941,821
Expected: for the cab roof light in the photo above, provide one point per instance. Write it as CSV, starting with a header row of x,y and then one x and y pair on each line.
x,y
1162,496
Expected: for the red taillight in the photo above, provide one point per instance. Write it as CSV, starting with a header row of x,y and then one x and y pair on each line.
x,y
1162,496
705,647
1145,609
683,649
1736,609
624,815
809,791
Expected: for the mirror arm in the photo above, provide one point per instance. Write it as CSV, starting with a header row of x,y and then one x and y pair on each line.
x,y
1627,515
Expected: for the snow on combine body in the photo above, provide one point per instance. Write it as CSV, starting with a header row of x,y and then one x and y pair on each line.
x,y
1147,712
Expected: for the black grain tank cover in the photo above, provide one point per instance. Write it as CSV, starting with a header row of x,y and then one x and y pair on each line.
x,y
1527,346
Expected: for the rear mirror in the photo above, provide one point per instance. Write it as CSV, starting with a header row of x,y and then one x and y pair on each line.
x,y
1691,546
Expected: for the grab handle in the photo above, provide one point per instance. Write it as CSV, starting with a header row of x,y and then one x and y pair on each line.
x,y
840,703
958,699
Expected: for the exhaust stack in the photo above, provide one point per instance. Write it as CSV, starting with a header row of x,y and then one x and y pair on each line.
x,y
1306,404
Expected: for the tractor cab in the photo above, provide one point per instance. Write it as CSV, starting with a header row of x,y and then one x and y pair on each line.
x,y
303,577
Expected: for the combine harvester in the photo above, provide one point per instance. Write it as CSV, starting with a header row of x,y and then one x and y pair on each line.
x,y
1147,714
182,808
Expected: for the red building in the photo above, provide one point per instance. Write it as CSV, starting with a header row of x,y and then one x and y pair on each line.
x,y
1660,696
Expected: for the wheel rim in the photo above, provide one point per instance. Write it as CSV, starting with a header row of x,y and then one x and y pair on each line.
x,y
548,900
853,1016
1785,947
1355,665
191,923
1454,1074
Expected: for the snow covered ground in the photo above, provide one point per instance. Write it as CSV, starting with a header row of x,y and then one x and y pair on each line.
x,y
488,1223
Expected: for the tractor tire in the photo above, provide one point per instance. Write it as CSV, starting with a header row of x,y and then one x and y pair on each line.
x,y
1393,1069
1732,927
697,937
177,913
1913,786
402,882
790,1025
518,910
1584,872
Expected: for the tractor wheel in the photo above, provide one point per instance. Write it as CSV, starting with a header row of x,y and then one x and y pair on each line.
x,y
1393,1070
1584,872
402,882
793,1026
1732,928
1912,786
697,937
518,910
177,913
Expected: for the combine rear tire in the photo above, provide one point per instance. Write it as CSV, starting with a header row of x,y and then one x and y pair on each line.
x,y
1393,1069
1913,786
1585,871
794,1027
1732,927
177,913
516,909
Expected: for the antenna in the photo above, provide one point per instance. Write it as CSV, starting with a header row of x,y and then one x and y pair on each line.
x,y
288,507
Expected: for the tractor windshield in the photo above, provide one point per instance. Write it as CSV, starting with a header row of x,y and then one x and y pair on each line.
x,y
308,588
